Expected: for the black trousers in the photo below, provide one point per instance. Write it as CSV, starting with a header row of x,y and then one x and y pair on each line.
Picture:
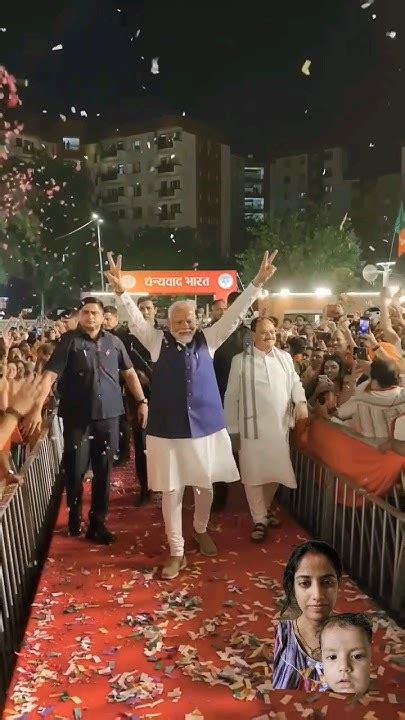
x,y
124,439
140,458
96,442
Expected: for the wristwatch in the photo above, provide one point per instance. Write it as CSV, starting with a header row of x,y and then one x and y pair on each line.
x,y
14,413
144,401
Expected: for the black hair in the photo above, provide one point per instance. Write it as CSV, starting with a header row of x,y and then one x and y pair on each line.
x,y
349,620
111,309
92,301
256,321
385,373
232,297
373,309
301,316
144,298
312,546
297,345
342,368
218,300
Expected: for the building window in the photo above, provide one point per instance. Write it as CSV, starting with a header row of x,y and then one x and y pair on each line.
x,y
71,143
175,184
137,167
138,190
120,145
18,142
137,212
120,169
136,145
121,191
175,208
177,135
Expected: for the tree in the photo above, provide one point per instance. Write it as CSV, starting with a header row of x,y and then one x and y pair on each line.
x,y
42,199
311,251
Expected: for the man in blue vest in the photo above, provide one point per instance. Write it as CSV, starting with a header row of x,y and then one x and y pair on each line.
x,y
187,442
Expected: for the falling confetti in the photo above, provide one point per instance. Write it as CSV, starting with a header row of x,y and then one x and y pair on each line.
x,y
155,66
83,113
367,4
62,117
306,68
371,248
57,47
391,34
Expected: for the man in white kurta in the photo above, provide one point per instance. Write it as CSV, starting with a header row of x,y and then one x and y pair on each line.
x,y
263,398
187,442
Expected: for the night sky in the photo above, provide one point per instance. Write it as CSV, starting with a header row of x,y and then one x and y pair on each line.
x,y
237,67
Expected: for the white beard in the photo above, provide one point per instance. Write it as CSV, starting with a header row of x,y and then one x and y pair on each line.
x,y
184,339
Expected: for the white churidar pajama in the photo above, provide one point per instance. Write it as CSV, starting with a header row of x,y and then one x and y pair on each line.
x,y
258,404
175,463
172,505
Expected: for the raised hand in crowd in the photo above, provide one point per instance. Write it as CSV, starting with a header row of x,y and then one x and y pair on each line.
x,y
267,269
20,403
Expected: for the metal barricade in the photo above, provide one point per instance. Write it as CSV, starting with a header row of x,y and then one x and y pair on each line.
x,y
27,513
366,530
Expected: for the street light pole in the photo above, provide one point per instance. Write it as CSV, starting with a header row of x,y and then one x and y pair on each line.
x,y
99,220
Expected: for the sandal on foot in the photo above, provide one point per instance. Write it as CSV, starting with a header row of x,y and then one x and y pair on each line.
x,y
272,520
258,533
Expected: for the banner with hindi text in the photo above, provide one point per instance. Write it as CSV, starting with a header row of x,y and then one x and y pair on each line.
x,y
181,282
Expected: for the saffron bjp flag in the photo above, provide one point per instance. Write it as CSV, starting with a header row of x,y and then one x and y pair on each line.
x,y
400,229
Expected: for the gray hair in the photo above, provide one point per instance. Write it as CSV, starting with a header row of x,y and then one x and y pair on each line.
x,y
180,305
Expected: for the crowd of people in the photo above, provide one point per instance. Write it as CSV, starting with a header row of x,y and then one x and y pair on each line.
x,y
207,404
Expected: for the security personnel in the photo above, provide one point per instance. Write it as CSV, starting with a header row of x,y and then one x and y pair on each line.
x,y
88,363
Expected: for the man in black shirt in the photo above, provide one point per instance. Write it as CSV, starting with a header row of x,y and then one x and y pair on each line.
x,y
88,363
142,363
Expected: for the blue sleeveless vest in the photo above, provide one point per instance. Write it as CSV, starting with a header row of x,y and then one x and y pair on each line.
x,y
185,400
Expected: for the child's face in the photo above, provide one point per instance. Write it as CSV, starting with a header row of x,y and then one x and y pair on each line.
x,y
315,587
346,657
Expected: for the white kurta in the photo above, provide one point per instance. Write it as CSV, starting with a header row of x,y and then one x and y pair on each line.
x,y
199,462
267,458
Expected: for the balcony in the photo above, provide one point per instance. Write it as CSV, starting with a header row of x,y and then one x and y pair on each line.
x,y
108,176
109,152
164,143
167,192
167,217
165,168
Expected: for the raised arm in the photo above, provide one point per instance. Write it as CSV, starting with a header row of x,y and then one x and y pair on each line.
x,y
389,333
221,330
150,337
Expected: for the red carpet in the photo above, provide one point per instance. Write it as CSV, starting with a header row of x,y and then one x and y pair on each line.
x,y
104,624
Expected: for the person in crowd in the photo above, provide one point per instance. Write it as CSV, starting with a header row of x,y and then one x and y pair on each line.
x,y
148,310
287,326
375,404
342,344
346,642
218,308
238,340
187,441
296,347
44,352
88,363
20,402
299,323
142,363
334,385
69,319
263,399
311,583
310,376
309,333
381,350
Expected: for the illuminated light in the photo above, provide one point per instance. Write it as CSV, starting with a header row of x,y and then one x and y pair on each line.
x,y
394,289
402,299
263,294
95,216
284,292
323,292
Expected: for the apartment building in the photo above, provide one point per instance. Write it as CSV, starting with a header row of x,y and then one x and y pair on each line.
x,y
316,177
172,173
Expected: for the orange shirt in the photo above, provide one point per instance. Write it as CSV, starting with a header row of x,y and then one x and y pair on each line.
x,y
391,350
